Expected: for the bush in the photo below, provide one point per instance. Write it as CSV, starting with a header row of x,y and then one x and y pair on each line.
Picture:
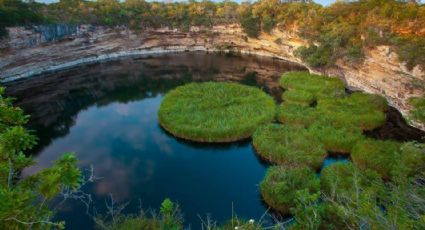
x,y
315,56
319,86
250,25
298,97
376,155
418,111
215,112
337,140
288,145
280,186
297,115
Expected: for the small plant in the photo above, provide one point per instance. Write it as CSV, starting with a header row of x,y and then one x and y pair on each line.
x,y
289,146
281,186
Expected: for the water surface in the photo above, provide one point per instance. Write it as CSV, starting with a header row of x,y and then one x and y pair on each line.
x,y
107,114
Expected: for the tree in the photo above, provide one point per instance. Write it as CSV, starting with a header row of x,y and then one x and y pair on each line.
x,y
24,201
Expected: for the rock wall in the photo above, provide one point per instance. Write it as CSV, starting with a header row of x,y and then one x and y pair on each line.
x,y
28,52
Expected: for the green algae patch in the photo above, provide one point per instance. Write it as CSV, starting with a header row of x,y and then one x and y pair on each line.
x,y
418,111
288,145
301,97
281,184
341,179
295,114
215,112
377,155
365,111
317,85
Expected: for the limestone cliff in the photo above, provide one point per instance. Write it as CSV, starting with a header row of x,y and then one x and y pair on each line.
x,y
29,52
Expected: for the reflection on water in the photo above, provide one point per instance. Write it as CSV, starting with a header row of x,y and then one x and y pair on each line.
x,y
107,114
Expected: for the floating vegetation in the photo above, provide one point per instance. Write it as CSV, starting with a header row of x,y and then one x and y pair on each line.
x,y
301,97
318,86
340,179
377,155
294,114
336,140
289,146
418,111
357,110
280,186
215,112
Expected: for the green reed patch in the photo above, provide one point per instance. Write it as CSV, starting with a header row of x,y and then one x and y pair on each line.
x,y
377,155
340,179
288,145
418,111
280,186
215,112
295,114
412,159
337,140
365,111
301,97
317,85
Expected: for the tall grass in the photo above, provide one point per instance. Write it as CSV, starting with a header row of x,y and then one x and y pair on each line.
x,y
288,145
280,186
215,112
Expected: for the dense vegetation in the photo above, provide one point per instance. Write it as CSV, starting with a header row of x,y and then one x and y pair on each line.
x,y
288,145
342,31
215,112
25,201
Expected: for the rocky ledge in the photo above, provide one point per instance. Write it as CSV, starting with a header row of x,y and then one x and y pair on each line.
x,y
37,50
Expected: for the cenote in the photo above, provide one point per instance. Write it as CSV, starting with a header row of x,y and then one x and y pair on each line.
x,y
107,114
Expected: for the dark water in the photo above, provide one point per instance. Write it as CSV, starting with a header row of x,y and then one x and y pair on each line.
x,y
107,114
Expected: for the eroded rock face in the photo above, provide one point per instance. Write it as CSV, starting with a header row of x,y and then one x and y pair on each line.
x,y
29,52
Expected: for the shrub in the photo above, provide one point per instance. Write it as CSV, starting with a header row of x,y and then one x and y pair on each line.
x,y
317,85
215,112
280,186
376,155
250,25
337,140
297,115
418,111
315,56
288,145
298,97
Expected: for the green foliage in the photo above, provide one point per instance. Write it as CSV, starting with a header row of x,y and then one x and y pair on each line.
x,y
319,86
377,155
296,115
308,211
298,97
215,112
288,145
315,56
418,111
169,219
25,201
282,185
411,50
17,12
361,110
250,25
337,140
